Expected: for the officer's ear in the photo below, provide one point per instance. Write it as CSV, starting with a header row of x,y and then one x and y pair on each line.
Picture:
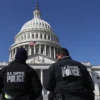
x,y
61,55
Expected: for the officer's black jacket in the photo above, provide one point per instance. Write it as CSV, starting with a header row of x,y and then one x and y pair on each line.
x,y
30,86
69,85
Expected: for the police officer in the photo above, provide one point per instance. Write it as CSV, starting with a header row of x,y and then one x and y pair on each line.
x,y
18,80
68,79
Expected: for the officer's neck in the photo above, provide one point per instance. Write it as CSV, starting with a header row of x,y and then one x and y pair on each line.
x,y
65,57
20,60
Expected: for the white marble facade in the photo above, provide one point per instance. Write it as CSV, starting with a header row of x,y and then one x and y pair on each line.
x,y
41,43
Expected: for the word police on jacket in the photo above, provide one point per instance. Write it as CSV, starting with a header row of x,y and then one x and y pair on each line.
x,y
15,76
70,70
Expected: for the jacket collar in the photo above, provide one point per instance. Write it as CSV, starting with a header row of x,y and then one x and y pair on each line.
x,y
66,57
19,60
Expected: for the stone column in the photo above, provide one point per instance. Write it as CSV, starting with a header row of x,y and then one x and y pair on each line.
x,y
12,54
29,50
50,50
39,48
34,49
9,55
97,92
45,49
41,76
15,52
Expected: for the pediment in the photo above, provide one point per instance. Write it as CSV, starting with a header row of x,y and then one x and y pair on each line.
x,y
40,59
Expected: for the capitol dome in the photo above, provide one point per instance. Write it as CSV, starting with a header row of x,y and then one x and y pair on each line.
x,y
36,22
39,32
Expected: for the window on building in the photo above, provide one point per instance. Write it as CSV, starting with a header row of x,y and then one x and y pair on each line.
x,y
57,40
42,49
36,35
43,24
55,52
52,39
48,37
52,52
44,36
41,36
47,50
32,50
28,36
21,37
37,49
24,36
32,35
36,23
14,51
17,39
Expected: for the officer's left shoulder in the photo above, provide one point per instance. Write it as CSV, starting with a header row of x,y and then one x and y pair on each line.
x,y
79,64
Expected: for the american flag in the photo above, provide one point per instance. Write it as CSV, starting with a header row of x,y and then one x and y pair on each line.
x,y
32,43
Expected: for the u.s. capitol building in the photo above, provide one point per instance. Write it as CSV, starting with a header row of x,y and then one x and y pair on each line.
x,y
38,38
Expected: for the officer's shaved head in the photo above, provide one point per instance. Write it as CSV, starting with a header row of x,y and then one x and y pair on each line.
x,y
63,51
